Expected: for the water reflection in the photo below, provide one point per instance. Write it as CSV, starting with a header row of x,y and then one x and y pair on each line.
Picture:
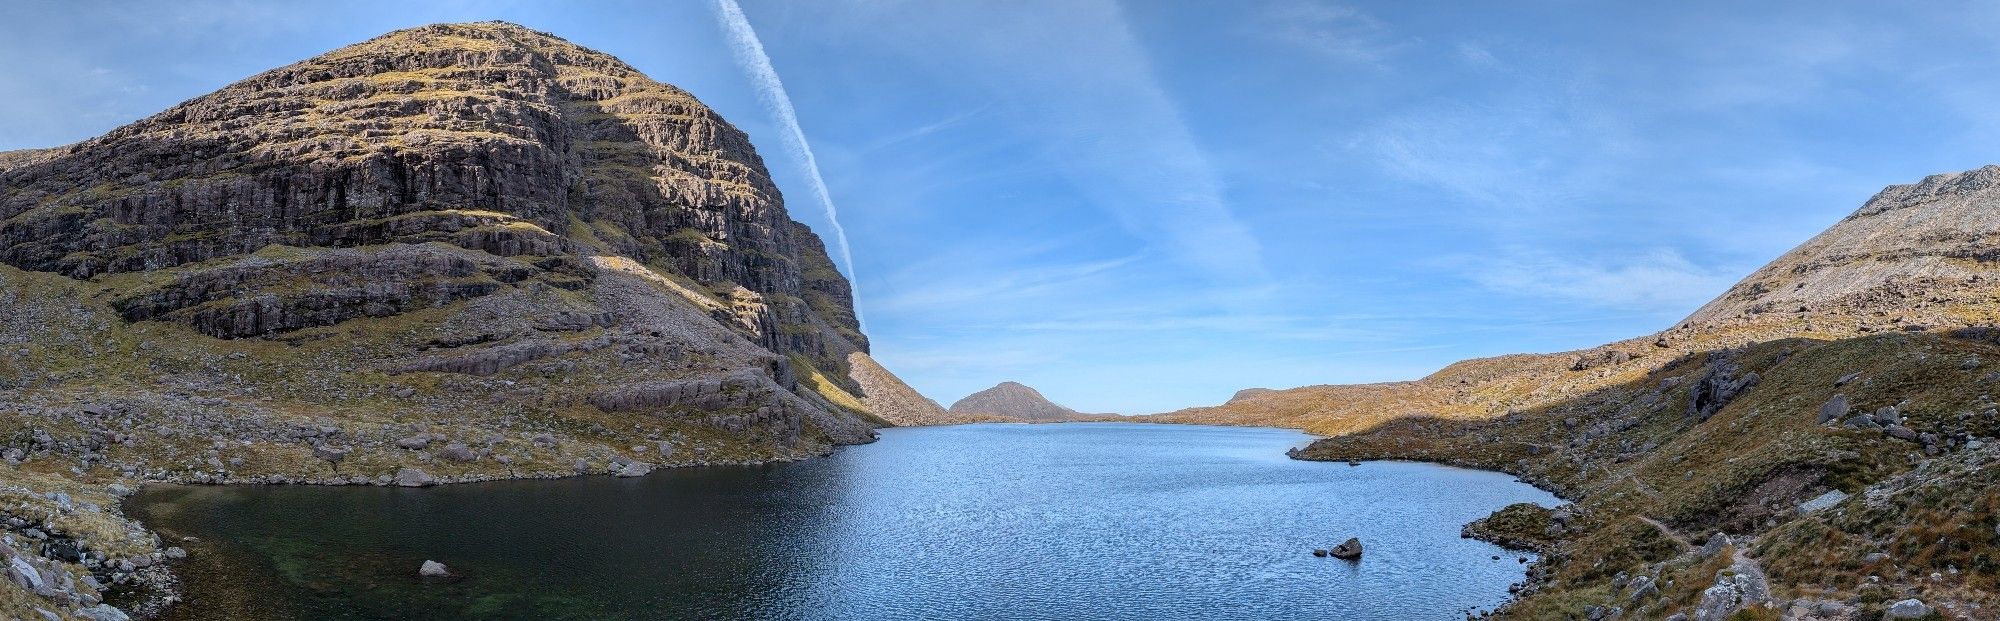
x,y
1098,521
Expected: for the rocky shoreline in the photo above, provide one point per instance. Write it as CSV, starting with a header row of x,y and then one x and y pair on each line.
x,y
135,578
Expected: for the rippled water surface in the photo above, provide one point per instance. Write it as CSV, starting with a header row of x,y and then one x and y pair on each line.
x,y
1069,521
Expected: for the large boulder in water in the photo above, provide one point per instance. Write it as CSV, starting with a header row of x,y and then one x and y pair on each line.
x,y
1350,549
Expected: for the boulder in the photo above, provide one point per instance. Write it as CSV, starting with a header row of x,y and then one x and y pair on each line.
x,y
1831,498
103,612
1835,409
1642,588
1900,432
1715,544
331,454
24,574
1888,415
412,477
415,443
633,469
433,569
1350,549
1907,609
457,451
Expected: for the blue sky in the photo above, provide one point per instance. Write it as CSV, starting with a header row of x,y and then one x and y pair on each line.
x,y
1141,206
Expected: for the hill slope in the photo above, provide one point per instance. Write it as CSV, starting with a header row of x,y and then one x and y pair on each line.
x,y
1854,372
1013,401
454,252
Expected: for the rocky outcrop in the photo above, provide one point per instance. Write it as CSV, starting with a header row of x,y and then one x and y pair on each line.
x,y
484,137
453,253
1016,401
517,199
1914,255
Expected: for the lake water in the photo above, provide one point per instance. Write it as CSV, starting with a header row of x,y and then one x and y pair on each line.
x,y
1067,521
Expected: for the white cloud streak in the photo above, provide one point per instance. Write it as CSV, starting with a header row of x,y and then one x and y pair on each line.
x,y
749,53
1660,280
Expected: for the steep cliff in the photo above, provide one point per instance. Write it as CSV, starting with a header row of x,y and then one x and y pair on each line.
x,y
454,252
1824,427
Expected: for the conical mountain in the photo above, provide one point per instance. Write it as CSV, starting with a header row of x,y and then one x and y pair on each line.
x,y
474,233
1013,400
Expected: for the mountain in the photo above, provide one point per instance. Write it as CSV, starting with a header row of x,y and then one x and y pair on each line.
x,y
895,401
1013,401
1816,443
1919,254
454,252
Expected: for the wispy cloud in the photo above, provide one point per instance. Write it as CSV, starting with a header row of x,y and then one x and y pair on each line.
x,y
1477,55
1659,280
1334,31
749,52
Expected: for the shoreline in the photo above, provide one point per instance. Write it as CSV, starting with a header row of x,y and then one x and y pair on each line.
x,y
157,602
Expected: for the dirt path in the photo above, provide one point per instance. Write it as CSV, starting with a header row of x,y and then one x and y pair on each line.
x,y
1685,544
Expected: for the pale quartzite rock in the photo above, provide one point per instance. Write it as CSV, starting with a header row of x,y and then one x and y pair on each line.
x,y
433,569
1907,609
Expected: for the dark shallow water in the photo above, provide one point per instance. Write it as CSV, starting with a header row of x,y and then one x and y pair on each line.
x,y
1070,521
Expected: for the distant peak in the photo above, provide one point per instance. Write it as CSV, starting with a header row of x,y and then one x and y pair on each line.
x,y
1014,400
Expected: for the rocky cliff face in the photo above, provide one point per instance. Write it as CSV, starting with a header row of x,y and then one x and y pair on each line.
x,y
476,200
1759,456
1012,400
469,250
486,137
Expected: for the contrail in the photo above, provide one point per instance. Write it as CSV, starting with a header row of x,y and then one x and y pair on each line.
x,y
749,52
